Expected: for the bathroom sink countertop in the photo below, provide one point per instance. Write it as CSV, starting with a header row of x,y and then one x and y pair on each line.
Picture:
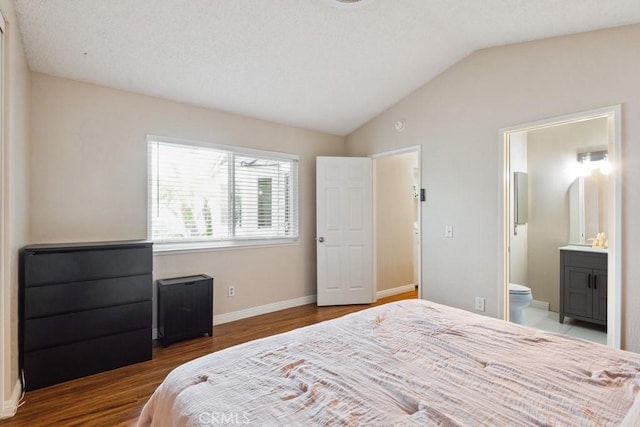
x,y
584,248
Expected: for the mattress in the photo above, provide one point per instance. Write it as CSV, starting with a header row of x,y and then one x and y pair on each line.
x,y
407,363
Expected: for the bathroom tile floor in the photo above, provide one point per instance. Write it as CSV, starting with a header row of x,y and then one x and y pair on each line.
x,y
548,321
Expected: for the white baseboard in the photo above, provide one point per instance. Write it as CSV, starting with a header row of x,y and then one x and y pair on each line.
x,y
254,311
281,305
10,407
262,309
395,291
540,305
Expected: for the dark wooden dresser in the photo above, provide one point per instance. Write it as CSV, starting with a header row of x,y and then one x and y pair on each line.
x,y
84,308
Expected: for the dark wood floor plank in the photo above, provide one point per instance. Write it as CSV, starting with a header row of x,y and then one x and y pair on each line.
x,y
115,398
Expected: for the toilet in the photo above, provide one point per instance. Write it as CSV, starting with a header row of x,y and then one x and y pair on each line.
x,y
519,298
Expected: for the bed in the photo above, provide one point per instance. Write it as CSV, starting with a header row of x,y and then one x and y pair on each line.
x,y
407,363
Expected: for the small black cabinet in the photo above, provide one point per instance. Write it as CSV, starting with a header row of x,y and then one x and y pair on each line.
x,y
583,286
185,308
84,308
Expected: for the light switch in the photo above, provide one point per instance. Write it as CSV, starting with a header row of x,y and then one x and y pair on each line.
x,y
448,231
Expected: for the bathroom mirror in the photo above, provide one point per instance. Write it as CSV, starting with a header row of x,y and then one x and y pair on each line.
x,y
587,208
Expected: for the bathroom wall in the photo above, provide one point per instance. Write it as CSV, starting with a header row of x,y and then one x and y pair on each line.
x,y
596,194
551,158
518,234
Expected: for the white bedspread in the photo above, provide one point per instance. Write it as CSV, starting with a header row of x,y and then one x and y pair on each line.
x,y
403,364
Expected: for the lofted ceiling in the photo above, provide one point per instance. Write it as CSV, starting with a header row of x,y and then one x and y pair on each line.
x,y
315,64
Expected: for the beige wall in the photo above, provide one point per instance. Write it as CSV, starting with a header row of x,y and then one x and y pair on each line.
x,y
89,182
551,154
395,207
15,180
456,118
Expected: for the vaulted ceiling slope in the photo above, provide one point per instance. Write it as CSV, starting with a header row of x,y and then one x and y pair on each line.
x,y
315,64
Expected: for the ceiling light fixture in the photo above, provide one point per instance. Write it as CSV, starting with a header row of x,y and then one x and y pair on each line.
x,y
592,156
592,160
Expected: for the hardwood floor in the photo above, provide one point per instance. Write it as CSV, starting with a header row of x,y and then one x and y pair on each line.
x,y
115,398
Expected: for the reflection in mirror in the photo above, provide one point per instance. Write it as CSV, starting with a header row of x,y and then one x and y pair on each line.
x,y
521,197
588,206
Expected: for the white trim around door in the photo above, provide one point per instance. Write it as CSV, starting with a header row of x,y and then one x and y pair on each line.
x,y
614,285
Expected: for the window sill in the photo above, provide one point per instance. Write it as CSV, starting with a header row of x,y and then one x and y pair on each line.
x,y
174,248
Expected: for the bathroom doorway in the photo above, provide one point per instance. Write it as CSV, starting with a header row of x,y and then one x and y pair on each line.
x,y
397,221
544,155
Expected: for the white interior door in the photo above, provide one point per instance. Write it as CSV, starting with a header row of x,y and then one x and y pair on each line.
x,y
344,230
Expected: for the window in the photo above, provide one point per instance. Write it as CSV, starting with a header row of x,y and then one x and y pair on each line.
x,y
264,202
207,195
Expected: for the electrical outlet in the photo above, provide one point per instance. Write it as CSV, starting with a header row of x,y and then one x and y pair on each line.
x,y
232,291
479,303
448,231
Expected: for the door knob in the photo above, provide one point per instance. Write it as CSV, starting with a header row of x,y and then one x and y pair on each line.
x,y
320,239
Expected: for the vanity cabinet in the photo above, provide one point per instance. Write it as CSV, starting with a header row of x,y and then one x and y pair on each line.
x,y
583,286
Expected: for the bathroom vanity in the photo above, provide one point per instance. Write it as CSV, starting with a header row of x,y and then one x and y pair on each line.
x,y
583,284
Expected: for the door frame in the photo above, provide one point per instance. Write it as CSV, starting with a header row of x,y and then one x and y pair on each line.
x,y
8,403
413,149
614,205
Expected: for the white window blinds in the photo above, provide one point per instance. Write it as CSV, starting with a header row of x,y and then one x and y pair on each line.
x,y
214,194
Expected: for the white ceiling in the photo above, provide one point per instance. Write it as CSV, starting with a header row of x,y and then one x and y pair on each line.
x,y
305,63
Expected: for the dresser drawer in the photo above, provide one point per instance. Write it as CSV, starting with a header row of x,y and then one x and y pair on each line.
x,y
57,364
67,297
50,267
68,328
